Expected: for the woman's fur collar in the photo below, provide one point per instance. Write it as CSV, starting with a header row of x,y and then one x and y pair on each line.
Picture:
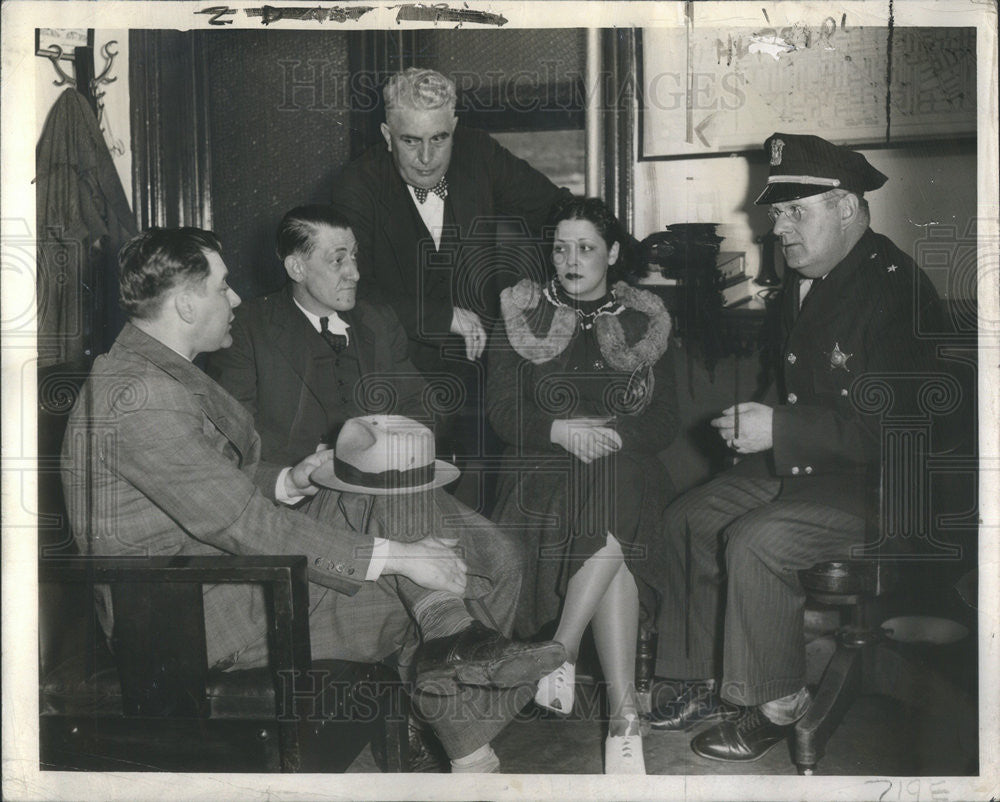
x,y
523,297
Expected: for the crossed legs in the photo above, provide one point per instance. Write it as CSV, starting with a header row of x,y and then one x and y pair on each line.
x,y
603,593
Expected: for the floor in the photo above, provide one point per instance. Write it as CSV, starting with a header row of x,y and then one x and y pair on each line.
x,y
933,733
879,736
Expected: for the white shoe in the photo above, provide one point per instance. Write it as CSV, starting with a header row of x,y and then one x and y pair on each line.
x,y
623,753
556,691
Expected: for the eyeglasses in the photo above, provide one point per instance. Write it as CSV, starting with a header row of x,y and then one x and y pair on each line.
x,y
795,210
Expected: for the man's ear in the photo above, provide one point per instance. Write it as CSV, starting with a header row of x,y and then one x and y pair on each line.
x,y
613,252
293,266
848,206
384,128
183,305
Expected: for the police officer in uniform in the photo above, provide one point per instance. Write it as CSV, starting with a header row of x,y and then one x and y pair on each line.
x,y
796,495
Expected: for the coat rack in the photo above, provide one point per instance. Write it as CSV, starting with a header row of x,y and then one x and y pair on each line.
x,y
83,77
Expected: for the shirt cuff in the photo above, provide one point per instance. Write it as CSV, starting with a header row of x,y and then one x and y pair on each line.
x,y
380,553
279,490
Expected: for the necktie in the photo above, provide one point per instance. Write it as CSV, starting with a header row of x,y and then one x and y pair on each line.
x,y
338,342
805,285
440,189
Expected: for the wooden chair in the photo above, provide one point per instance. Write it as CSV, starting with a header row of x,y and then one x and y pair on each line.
x,y
149,703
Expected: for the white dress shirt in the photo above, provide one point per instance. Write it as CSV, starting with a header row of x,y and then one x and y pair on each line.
x,y
432,213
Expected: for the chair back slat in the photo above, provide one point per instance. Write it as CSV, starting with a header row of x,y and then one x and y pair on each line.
x,y
159,646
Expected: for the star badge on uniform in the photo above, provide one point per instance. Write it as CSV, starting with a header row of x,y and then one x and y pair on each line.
x,y
838,359
892,268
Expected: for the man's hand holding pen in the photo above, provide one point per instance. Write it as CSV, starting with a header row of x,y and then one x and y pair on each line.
x,y
746,427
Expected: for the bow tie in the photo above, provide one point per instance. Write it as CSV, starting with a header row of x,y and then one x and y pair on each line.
x,y
440,189
338,342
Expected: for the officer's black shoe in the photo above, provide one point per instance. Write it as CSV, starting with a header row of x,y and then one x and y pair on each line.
x,y
696,702
749,737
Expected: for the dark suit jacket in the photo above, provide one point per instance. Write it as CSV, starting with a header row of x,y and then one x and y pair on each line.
x,y
869,308
398,261
175,469
298,390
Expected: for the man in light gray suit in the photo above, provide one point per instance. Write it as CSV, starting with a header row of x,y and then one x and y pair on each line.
x,y
160,460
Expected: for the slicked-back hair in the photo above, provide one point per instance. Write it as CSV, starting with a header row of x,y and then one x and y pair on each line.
x,y
420,89
596,212
156,261
297,229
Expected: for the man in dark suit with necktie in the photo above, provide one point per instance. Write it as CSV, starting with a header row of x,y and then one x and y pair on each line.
x,y
185,475
853,307
424,206
311,356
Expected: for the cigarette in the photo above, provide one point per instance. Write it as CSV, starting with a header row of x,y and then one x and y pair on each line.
x,y
736,393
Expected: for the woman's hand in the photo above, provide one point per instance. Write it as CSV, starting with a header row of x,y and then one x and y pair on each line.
x,y
586,439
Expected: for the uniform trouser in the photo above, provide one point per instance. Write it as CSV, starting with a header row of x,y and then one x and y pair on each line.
x,y
377,621
732,593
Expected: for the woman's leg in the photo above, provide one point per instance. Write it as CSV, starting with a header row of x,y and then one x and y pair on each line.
x,y
585,595
616,629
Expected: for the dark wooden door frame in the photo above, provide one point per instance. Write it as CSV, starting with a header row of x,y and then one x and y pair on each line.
x,y
168,86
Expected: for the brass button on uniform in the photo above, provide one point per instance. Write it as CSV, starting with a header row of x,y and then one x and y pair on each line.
x,y
792,398
795,470
791,358
809,469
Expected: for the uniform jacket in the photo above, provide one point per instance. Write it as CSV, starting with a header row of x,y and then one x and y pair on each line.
x,y
298,390
172,467
858,321
398,263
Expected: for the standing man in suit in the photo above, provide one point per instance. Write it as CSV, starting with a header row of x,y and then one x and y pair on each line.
x,y
797,495
424,205
160,460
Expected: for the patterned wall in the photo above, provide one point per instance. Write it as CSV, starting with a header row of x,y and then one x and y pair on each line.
x,y
279,131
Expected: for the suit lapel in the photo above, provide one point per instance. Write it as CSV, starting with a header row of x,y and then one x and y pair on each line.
x,y
828,299
305,352
362,341
400,229
224,411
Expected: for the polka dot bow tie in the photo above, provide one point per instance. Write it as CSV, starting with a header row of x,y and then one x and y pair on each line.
x,y
440,189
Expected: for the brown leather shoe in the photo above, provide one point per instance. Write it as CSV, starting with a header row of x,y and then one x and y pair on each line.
x,y
749,737
481,656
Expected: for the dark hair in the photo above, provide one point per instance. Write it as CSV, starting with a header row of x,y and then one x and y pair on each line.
x,y
156,261
297,229
596,212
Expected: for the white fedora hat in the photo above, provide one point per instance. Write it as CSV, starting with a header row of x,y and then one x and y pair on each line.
x,y
384,455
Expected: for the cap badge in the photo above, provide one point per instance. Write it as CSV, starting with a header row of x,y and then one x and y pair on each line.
x,y
838,359
777,145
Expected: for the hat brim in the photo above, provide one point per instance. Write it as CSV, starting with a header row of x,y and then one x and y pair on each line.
x,y
444,473
781,191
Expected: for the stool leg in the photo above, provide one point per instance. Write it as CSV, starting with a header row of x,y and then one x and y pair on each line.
x,y
645,664
840,685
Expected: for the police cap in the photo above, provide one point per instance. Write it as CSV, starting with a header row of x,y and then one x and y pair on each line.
x,y
804,165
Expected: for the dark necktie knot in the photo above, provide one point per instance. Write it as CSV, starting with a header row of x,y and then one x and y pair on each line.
x,y
338,342
440,189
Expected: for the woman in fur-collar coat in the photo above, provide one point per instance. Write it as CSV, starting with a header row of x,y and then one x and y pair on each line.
x,y
581,389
